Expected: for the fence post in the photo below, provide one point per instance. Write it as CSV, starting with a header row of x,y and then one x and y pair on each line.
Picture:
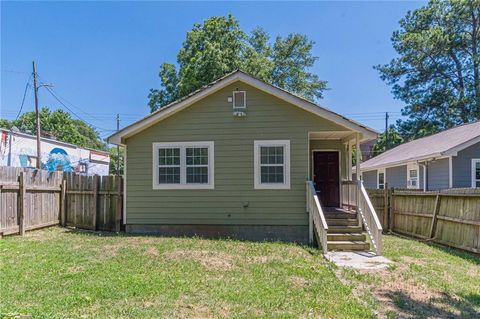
x,y
94,200
385,206
391,209
118,215
21,203
433,226
63,204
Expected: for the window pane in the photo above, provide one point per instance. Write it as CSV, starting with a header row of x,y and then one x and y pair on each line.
x,y
271,155
272,174
169,175
169,156
197,175
477,170
197,156
239,99
413,173
381,178
477,184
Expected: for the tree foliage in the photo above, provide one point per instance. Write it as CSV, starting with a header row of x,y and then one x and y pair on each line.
x,y
60,125
116,160
437,71
387,140
219,46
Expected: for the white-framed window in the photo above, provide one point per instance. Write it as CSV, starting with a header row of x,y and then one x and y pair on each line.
x,y
413,173
272,164
381,179
475,172
183,165
239,100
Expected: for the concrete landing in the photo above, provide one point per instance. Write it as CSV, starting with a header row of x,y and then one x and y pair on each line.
x,y
363,260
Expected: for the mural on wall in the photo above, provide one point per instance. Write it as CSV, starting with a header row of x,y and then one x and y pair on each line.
x,y
58,160
19,150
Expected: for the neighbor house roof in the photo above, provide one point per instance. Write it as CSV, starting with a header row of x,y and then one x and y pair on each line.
x,y
178,105
446,143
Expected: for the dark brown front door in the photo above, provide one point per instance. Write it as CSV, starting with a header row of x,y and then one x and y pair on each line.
x,y
326,178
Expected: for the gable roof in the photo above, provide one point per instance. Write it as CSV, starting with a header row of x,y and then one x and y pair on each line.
x,y
180,104
446,143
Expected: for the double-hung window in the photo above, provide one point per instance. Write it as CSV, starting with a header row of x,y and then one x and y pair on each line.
x,y
183,165
272,164
381,179
476,172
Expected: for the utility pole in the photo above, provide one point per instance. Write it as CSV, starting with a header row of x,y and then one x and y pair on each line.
x,y
386,131
37,115
118,147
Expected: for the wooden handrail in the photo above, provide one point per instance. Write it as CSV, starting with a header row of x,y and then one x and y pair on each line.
x,y
369,218
316,217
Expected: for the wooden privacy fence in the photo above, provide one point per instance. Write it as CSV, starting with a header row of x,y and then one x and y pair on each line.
x,y
31,199
450,217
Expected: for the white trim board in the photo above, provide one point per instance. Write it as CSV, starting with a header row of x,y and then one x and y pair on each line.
x,y
168,110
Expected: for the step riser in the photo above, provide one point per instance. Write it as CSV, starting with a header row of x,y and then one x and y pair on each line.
x,y
348,247
342,222
346,237
340,216
336,230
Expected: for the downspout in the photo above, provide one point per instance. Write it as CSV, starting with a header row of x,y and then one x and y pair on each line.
x,y
424,175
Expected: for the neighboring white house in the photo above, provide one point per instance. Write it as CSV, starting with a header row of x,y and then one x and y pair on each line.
x,y
448,159
20,150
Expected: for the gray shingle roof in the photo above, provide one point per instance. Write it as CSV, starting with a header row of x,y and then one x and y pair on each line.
x,y
427,147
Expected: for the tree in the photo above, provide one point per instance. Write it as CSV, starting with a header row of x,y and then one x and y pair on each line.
x,y
114,156
387,140
60,125
219,46
437,71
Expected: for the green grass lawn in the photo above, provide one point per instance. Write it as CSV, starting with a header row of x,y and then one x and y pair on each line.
x,y
55,273
59,273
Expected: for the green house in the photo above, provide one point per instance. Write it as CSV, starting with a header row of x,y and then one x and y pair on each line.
x,y
241,158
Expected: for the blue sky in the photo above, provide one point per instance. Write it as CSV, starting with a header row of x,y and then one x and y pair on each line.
x,y
103,57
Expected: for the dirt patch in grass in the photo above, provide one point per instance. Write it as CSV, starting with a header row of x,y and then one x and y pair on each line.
x,y
208,259
152,252
298,282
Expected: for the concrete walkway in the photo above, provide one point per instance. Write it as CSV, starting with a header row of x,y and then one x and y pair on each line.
x,y
364,260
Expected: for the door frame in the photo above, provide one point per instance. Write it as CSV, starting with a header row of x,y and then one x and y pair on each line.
x,y
312,159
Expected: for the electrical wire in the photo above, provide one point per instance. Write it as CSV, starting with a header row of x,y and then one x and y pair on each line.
x,y
23,99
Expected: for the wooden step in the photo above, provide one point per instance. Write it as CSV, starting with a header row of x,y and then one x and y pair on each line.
x,y
344,229
346,237
342,222
348,245
339,215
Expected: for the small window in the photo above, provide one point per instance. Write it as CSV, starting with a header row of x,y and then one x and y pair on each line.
x,y
476,172
412,181
381,179
272,164
185,165
239,100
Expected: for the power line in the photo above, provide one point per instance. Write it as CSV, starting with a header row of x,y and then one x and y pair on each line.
x,y
23,99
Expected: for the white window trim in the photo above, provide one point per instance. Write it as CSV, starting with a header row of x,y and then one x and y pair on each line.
x,y
413,166
183,165
474,180
286,155
379,171
244,100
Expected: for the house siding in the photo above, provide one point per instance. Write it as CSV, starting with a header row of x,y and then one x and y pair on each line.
x,y
396,176
211,119
438,174
462,166
370,179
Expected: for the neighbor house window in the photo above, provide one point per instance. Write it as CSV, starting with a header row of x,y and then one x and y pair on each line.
x,y
381,179
239,100
413,173
272,164
183,165
476,172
